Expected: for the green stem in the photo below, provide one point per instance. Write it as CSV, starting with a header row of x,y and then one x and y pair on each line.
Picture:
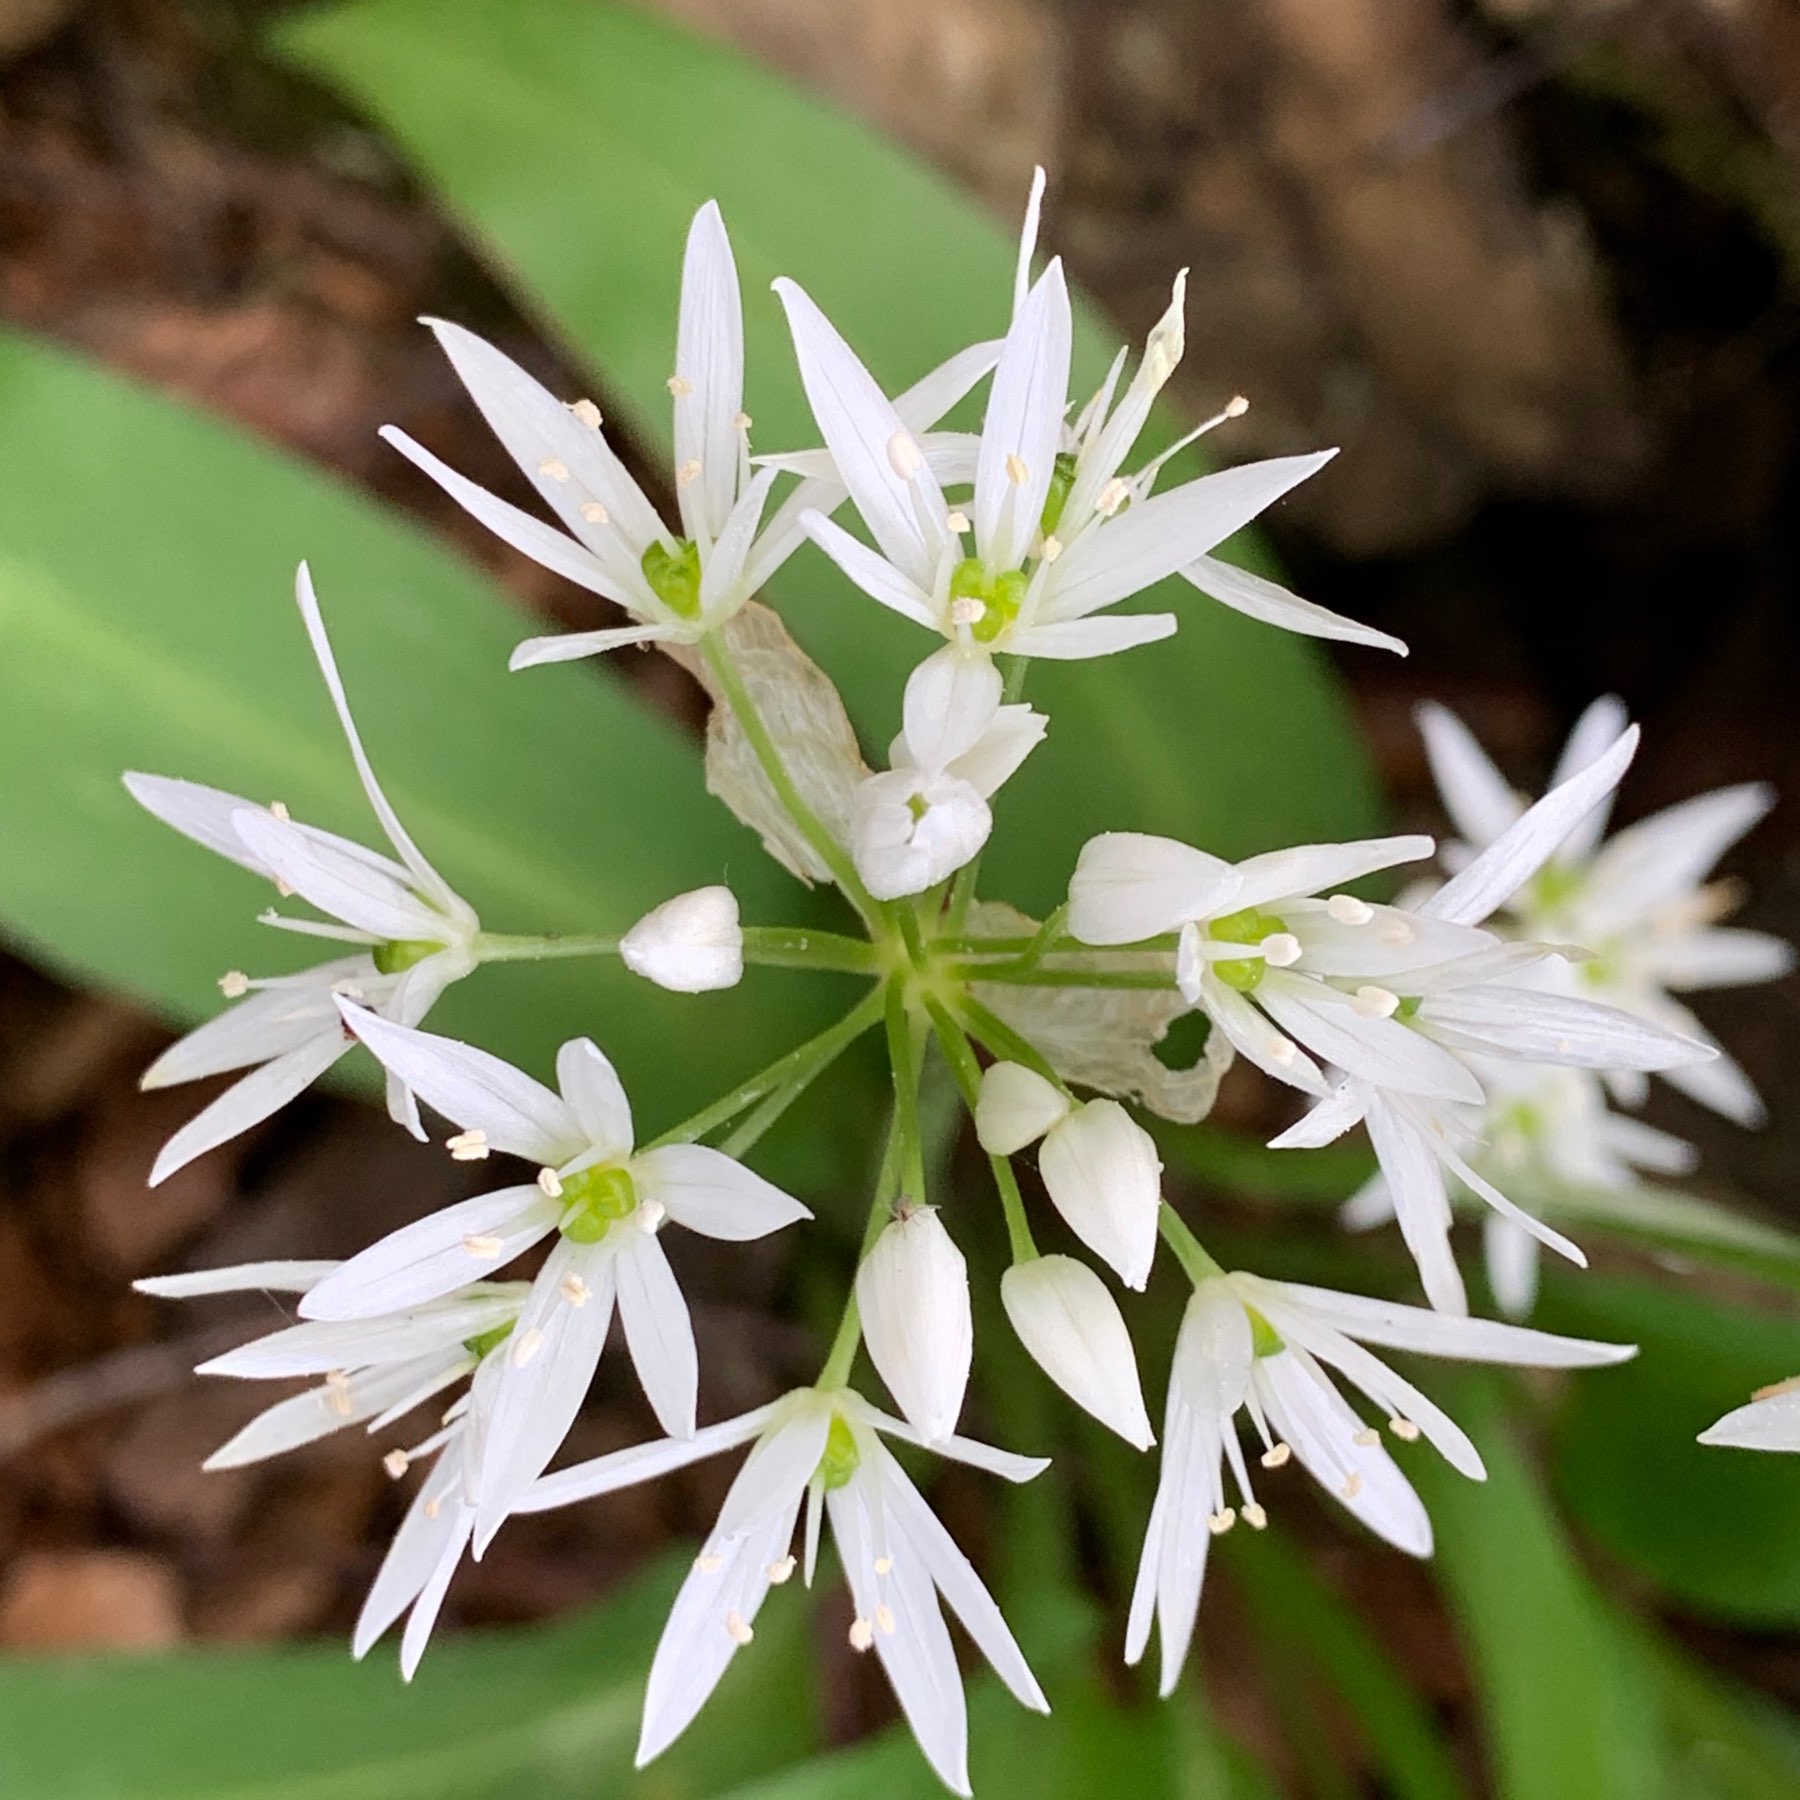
x,y
1188,1249
799,947
848,1335
809,1060
903,1055
960,1055
500,946
1062,946
830,851
999,1039
1021,975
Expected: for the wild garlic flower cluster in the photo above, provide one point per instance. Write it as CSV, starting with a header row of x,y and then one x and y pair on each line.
x,y
1469,1030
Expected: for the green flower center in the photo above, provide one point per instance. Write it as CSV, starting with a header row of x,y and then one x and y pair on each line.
x,y
479,1346
594,1201
674,576
1553,887
1249,926
1408,1009
398,955
841,1456
1000,595
1265,1340
1062,479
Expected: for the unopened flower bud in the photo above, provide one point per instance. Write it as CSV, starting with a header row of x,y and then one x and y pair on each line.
x,y
691,944
913,1293
1101,1169
1073,1328
1016,1107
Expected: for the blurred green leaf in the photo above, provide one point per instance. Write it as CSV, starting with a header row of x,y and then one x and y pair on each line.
x,y
1725,1742
1313,1632
578,138
552,1713
1564,1710
147,621
1713,1528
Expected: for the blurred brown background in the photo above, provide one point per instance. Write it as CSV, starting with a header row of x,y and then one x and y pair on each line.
x,y
1534,264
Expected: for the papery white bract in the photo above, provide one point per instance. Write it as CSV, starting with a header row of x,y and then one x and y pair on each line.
x,y
1769,1421
821,1449
604,1200
692,944
1076,1334
1268,1348
414,936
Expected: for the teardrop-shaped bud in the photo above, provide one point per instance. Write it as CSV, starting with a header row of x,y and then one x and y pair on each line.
x,y
691,944
913,1293
1016,1107
1101,1169
1076,1334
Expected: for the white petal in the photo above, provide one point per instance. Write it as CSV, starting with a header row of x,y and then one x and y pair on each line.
x,y
1007,1464
1214,1351
1015,732
705,1190
1153,538
913,1291
260,1094
318,1348
951,699
1253,1036
929,398
1530,841
201,813
658,1332
478,1091
1076,1334
724,580
1016,1107
875,575
1387,1052
432,1256
1101,1170
1480,801
1028,236
709,361
1561,1030
778,1469
593,1093
1665,856
1340,1111
351,888
1594,733
571,646
422,1621
1311,868
1128,886
1259,598
1023,423
911,829
433,1522
1415,1185
1511,1255
692,944
237,1278
1720,958
1079,640
269,1022
1771,1423
860,427
642,1462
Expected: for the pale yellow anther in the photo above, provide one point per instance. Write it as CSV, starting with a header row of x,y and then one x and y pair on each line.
x,y
1284,1051
279,809
904,455
1236,407
884,1618
956,521
1375,1003
884,1565
234,984
1112,497
1254,1516
967,611
1018,471
587,412
432,1508
650,1216
1348,910
338,1399
740,421
550,1183
553,468
396,1462
780,1571
530,1342
1352,1485
1052,549
284,888
1398,931
574,1290
1368,1437
738,1628
1276,1455
1404,1429
347,988
708,1564
680,386
1281,949
862,1635
468,1146
483,1246
595,513
1790,1385
1221,1522
688,473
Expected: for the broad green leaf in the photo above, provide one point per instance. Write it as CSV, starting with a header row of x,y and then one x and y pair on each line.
x,y
1563,1710
1313,1631
1713,1528
1725,1742
146,621
551,1712
576,139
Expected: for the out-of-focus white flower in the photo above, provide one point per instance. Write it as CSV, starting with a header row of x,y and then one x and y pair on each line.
x,y
928,814
1076,1334
414,935
1102,1173
1769,1421
1268,1347
692,944
1016,1106
913,1293
824,1450
605,1203
678,585
1640,902
1059,535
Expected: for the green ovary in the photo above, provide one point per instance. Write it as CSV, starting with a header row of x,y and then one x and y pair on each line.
x,y
478,1347
398,955
1553,887
1247,927
1062,480
1265,1340
1000,595
594,1201
841,1456
674,576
